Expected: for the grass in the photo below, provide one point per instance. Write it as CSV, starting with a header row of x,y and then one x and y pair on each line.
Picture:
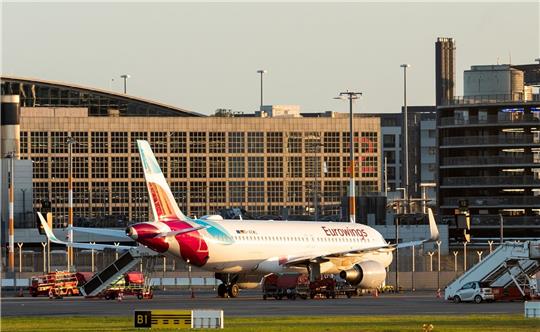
x,y
305,323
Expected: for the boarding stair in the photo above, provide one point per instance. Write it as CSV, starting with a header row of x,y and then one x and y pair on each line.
x,y
103,279
511,262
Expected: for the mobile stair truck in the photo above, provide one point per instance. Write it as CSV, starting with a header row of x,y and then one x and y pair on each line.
x,y
512,264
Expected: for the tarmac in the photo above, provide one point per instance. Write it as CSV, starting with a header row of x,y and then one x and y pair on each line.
x,y
251,304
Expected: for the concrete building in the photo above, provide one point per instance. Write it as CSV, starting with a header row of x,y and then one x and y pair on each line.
x,y
263,165
489,154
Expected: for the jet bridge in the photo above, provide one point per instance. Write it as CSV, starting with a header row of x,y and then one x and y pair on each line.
x,y
511,262
111,273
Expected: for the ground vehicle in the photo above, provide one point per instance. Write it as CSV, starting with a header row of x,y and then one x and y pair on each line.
x,y
323,286
290,286
474,291
59,283
131,283
510,293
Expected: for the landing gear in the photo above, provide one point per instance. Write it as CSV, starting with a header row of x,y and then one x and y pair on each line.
x,y
228,288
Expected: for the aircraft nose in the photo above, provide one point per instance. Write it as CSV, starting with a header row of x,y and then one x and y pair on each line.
x,y
132,233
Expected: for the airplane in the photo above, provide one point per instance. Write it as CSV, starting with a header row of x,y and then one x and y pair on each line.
x,y
242,252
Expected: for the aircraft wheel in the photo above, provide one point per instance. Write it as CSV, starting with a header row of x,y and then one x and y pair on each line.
x,y
222,290
234,290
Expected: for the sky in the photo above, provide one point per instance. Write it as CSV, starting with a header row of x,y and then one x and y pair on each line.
x,y
205,56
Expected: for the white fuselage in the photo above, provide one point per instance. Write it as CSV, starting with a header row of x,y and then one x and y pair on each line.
x,y
267,246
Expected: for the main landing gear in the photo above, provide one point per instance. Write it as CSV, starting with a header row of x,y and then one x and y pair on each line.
x,y
228,288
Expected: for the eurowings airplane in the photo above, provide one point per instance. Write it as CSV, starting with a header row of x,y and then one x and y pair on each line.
x,y
241,252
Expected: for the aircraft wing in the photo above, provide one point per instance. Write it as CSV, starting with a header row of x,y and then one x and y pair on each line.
x,y
303,260
121,234
54,239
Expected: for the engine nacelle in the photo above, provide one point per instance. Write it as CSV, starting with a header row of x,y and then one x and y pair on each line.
x,y
368,274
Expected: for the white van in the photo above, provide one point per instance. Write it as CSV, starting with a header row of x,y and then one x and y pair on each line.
x,y
474,291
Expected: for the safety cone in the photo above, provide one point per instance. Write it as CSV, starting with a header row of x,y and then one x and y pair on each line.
x,y
439,293
376,293
120,296
50,293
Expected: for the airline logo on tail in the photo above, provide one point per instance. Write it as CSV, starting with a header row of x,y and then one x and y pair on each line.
x,y
163,203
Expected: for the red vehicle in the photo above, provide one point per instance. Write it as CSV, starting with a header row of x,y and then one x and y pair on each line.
x,y
131,283
323,286
511,293
57,284
290,286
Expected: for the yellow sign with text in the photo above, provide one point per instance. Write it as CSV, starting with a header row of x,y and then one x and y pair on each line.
x,y
163,319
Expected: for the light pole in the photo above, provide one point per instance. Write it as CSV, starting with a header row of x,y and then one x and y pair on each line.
x,y
413,269
262,72
352,197
438,264
11,227
70,142
405,136
125,77
464,256
455,260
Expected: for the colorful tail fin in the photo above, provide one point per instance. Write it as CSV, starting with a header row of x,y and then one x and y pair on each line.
x,y
163,204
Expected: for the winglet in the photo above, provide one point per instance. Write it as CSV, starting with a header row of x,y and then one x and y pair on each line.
x,y
48,231
433,230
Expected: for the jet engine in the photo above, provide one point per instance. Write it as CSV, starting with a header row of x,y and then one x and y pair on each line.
x,y
368,274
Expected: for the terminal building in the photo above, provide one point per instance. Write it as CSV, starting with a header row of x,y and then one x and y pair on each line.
x,y
276,164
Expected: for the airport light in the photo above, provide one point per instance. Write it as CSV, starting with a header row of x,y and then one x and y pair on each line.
x,y
70,141
262,72
352,196
11,227
125,77
405,136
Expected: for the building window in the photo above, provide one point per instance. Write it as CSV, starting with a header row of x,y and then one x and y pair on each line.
x,y
197,192
461,117
39,142
217,192
100,142
135,136
274,142
295,142
40,167
390,157
313,167
237,191
331,143
236,167
197,142
178,168
80,167
81,142
180,194
178,142
432,133
256,167
389,141
24,142
295,191
197,167
158,142
333,167
255,191
217,167
217,143
119,192
368,142
333,191
119,142
59,167
100,167
136,169
275,191
390,173
295,167
119,167
370,167
236,142
163,165
255,142
59,142
274,167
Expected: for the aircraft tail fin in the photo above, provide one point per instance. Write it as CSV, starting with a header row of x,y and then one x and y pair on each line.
x,y
163,203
